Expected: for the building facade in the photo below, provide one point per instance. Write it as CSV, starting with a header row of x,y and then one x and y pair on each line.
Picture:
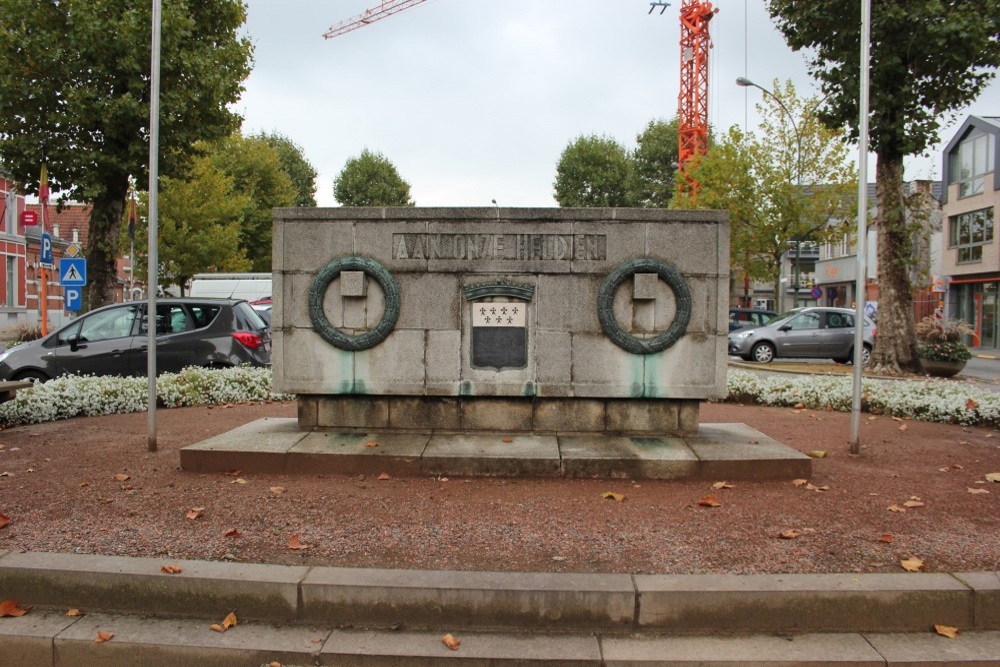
x,y
970,255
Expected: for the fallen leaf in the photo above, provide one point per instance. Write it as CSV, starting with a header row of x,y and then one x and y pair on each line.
x,y
971,404
709,501
993,477
904,427
978,491
195,513
800,406
913,503
6,474
274,663
11,608
170,569
897,508
449,641
384,476
4,521
912,564
810,487
277,490
233,533
74,612
103,636
294,542
613,496
800,482
816,454
239,480
946,630
897,419
229,621
887,538
371,443
507,440
216,627
945,469
120,477
84,484
789,534
722,485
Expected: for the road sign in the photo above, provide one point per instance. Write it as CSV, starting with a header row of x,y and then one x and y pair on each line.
x,y
816,292
29,218
45,255
74,298
73,271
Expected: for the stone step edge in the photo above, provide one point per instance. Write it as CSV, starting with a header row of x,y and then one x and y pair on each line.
x,y
359,597
53,638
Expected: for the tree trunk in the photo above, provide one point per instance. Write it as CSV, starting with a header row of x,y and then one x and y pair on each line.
x,y
102,244
895,345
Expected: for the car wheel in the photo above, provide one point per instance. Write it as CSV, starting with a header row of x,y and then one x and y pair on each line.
x,y
762,352
34,376
866,356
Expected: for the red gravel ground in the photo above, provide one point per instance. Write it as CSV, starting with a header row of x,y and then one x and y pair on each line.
x,y
63,488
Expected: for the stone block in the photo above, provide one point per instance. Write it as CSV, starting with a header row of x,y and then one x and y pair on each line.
x,y
425,413
352,412
500,247
395,366
494,454
562,415
567,303
684,370
308,246
645,286
444,362
688,416
353,284
310,365
431,301
737,451
986,598
614,457
502,415
26,641
462,599
602,369
553,358
920,649
387,242
355,454
642,416
601,246
693,248
802,603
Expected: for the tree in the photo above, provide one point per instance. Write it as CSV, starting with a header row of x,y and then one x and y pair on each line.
x,y
594,171
75,91
258,175
928,58
199,226
370,179
295,165
781,187
655,163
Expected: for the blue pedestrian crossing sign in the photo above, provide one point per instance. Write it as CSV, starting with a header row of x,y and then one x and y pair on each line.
x,y
73,271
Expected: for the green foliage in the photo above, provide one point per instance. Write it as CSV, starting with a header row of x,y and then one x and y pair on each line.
x,y
929,58
655,163
780,186
370,179
258,175
74,92
594,171
295,165
199,226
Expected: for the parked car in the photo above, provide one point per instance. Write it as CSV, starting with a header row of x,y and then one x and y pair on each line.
x,y
814,332
113,340
263,308
748,317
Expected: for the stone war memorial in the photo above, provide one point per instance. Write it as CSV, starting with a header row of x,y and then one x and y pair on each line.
x,y
534,341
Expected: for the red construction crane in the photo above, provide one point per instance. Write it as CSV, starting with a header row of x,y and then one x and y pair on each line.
x,y
386,9
692,108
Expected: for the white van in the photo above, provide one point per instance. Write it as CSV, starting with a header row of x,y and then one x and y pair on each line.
x,y
249,286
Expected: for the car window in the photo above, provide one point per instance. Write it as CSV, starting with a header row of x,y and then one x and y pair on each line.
x,y
170,318
839,320
760,318
247,318
103,325
203,314
804,322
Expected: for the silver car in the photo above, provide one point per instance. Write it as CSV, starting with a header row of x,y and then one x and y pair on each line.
x,y
803,333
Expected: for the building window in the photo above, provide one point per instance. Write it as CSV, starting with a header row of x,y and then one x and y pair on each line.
x,y
11,281
970,163
969,232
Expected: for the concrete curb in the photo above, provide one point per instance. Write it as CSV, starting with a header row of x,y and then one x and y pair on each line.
x,y
497,601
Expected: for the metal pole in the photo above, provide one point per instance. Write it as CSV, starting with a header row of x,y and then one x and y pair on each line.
x,y
152,270
862,268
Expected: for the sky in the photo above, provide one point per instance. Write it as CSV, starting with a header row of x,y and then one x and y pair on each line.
x,y
474,100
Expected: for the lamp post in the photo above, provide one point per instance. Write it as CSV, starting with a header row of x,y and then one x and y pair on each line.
x,y
747,83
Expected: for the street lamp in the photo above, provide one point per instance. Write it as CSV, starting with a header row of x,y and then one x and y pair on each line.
x,y
747,83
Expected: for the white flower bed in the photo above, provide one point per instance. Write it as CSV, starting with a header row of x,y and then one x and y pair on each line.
x,y
928,400
87,396
73,396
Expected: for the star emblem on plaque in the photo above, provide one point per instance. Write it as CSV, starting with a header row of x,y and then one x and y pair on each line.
x,y
499,324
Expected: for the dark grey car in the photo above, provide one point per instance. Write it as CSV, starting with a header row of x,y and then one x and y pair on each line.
x,y
113,341
816,332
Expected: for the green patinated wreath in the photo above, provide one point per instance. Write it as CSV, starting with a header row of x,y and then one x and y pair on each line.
x,y
332,335
605,306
